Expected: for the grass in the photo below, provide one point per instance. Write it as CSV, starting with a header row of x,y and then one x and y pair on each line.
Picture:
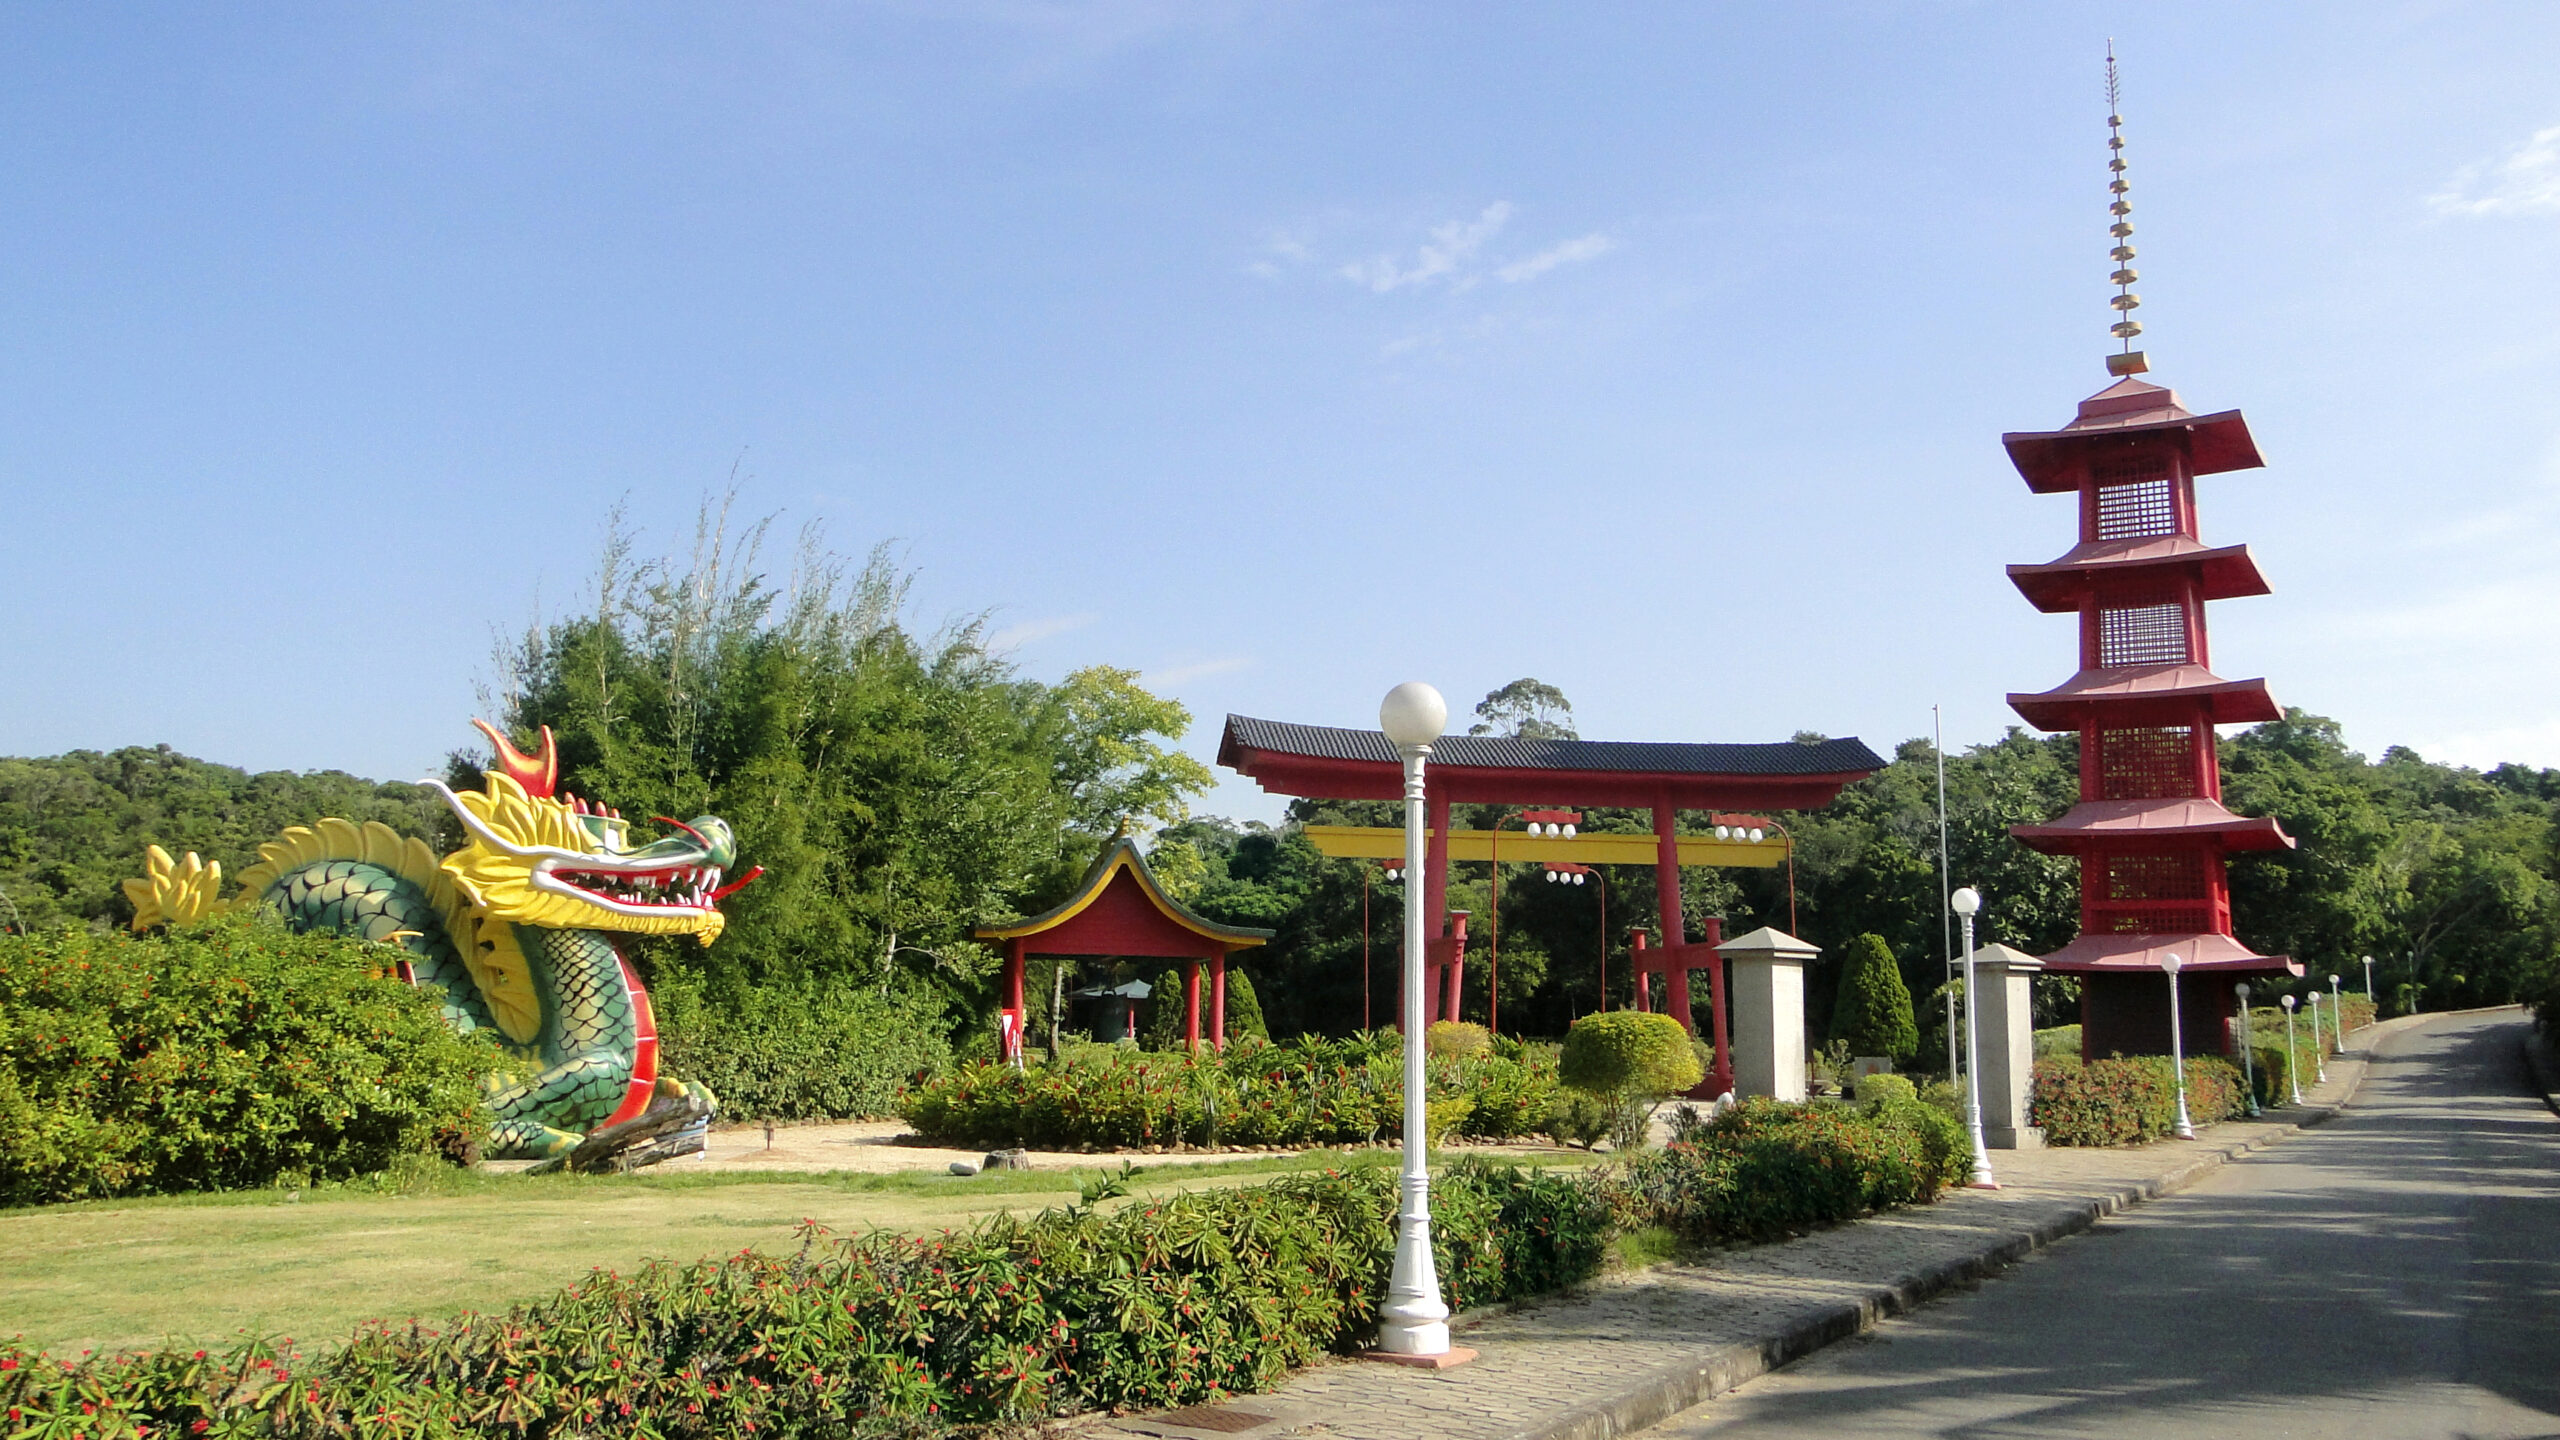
x,y
433,1241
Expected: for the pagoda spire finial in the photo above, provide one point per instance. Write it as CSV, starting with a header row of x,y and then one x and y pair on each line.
x,y
2128,361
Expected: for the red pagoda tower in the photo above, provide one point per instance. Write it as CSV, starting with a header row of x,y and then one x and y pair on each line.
x,y
2150,829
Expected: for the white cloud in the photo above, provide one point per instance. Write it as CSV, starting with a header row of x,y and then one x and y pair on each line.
x,y
1170,676
2524,183
1571,252
1031,632
1286,250
1442,257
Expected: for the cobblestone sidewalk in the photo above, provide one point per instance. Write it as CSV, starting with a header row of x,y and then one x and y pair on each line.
x,y
1627,1352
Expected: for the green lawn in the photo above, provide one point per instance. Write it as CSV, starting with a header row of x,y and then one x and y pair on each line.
x,y
312,1264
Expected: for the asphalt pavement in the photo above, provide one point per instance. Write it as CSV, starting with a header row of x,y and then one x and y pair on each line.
x,y
2395,1272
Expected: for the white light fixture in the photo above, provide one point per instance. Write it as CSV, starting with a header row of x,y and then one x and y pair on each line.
x,y
2248,1061
1413,1320
1724,832
1579,877
1757,834
2292,1057
1568,830
1967,902
2177,1046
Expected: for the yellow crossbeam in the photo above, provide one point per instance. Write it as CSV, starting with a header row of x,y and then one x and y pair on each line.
x,y
1373,842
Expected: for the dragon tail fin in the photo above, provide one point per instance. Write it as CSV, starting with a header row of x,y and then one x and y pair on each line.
x,y
174,892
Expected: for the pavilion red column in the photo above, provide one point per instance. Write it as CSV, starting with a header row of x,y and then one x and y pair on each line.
x,y
1218,1001
1722,1079
1644,977
1191,1005
1013,1007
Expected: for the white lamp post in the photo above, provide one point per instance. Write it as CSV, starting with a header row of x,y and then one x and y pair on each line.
x,y
2177,1047
2292,1056
2248,1062
1414,1321
2338,1014
1967,902
2368,987
2319,1052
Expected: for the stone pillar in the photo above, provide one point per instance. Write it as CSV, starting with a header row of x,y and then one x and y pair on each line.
x,y
1768,1012
2008,1040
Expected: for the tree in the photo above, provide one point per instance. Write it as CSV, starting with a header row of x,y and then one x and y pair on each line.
x,y
1873,1013
1527,708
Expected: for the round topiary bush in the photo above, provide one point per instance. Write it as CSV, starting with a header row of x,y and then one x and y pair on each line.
x,y
1458,1040
1629,1053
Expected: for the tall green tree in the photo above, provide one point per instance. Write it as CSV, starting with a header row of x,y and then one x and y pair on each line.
x,y
1873,1012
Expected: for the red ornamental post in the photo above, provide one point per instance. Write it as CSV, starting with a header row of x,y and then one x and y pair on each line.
x,y
1013,1006
1644,977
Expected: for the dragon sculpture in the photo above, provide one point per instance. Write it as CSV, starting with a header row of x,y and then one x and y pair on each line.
x,y
515,930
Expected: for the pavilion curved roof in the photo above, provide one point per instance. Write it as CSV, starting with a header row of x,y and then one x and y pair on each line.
x,y
1119,857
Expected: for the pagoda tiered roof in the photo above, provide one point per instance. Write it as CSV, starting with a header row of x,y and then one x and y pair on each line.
x,y
2095,824
2130,409
2146,695
2225,572
2141,954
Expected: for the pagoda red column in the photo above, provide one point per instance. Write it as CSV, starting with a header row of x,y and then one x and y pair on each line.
x,y
2150,831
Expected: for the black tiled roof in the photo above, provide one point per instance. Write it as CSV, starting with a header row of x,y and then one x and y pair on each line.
x,y
1326,742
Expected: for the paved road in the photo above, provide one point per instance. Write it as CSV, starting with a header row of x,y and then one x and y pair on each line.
x,y
2395,1272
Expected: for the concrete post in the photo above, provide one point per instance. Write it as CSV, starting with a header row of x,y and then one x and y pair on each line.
x,y
1768,1012
2007,1016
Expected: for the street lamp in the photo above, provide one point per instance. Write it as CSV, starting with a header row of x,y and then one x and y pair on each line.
x,y
1967,901
2338,1014
2292,1056
2248,1062
1567,873
1413,1321
1751,827
2177,1047
2319,1052
1558,824
2368,987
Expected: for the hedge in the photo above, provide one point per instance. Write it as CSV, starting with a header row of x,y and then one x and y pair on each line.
x,y
1151,1305
1630,1054
2126,1101
218,1058
1166,1303
1300,1092
813,1050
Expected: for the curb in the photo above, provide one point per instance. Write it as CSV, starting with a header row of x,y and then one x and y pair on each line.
x,y
2542,1064
1656,1397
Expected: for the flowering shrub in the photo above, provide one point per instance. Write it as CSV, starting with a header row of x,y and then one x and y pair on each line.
x,y
2126,1101
217,1059
1156,1304
1308,1091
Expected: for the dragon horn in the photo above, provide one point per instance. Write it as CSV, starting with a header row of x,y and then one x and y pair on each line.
x,y
538,777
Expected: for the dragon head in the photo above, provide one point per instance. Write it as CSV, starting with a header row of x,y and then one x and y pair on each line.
x,y
535,858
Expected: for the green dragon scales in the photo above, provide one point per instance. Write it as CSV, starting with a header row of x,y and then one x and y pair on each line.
x,y
515,929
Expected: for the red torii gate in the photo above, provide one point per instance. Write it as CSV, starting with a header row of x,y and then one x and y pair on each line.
x,y
1327,763
1118,911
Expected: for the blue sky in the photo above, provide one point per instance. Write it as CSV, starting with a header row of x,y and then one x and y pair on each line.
x,y
1281,351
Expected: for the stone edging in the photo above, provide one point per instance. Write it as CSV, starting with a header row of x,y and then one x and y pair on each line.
x,y
1652,1398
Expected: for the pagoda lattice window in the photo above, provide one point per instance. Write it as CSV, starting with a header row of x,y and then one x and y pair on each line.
x,y
2143,635
2134,500
2154,894
2146,764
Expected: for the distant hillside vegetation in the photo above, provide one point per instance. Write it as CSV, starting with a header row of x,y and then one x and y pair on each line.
x,y
73,825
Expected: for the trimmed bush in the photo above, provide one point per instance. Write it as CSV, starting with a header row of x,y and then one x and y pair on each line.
x,y
1149,1306
1457,1039
1305,1091
2127,1101
1764,1169
807,1050
219,1058
1631,1054
1873,1011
